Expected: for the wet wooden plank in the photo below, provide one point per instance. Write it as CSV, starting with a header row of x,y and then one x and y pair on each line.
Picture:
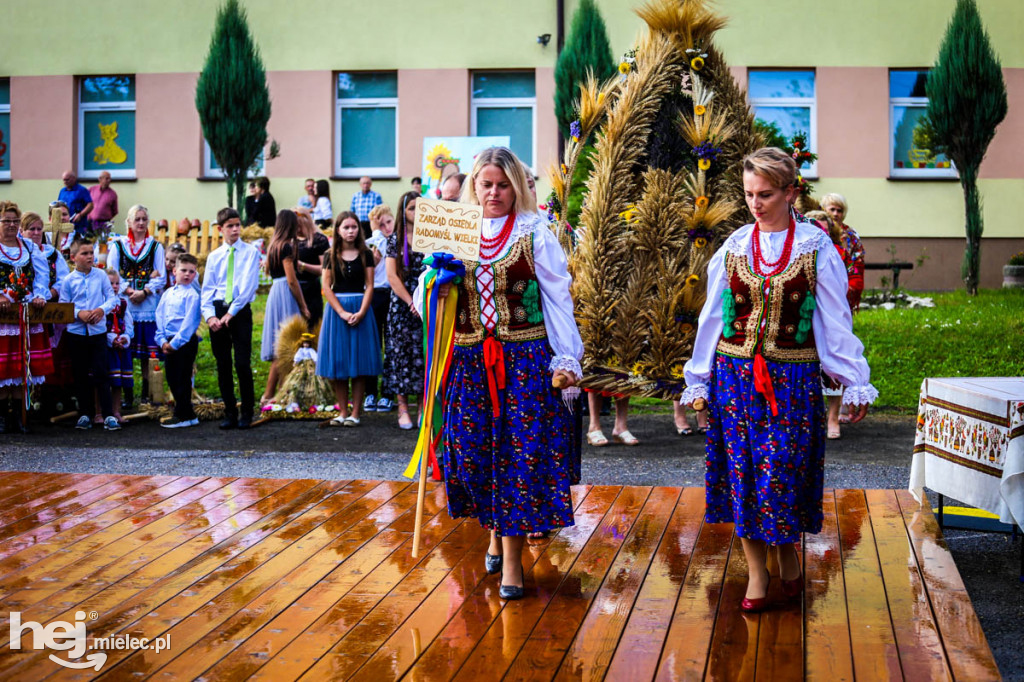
x,y
147,589
16,482
828,657
37,501
966,648
780,639
542,654
133,486
216,596
636,656
214,629
591,651
873,642
101,569
273,637
83,538
687,646
545,566
917,635
358,595
734,643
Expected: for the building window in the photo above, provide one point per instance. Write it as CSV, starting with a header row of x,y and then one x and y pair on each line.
x,y
504,103
907,105
106,126
5,128
211,169
367,124
786,98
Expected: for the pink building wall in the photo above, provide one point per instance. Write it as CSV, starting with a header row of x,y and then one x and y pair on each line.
x,y
43,127
547,123
168,140
853,122
302,122
431,103
1004,153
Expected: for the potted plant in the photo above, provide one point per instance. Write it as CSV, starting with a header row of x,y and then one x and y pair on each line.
x,y
1013,272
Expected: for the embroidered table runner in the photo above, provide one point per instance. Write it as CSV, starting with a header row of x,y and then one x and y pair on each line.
x,y
970,443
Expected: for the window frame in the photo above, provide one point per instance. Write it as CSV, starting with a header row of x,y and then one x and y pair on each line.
x,y
477,103
5,173
86,107
342,103
810,103
911,173
211,173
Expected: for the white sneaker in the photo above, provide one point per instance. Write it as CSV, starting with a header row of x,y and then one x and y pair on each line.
x,y
110,424
385,404
370,404
84,423
180,423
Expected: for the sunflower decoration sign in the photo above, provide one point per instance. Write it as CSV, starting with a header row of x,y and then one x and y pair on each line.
x,y
447,156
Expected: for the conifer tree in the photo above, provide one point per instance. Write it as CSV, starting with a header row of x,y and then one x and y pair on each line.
x,y
966,101
586,50
233,99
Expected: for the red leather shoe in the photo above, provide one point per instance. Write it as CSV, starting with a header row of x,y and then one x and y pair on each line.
x,y
793,588
757,605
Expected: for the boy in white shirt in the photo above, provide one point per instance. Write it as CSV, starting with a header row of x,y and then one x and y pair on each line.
x,y
229,286
89,289
177,320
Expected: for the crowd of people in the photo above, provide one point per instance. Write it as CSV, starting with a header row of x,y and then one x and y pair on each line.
x,y
777,320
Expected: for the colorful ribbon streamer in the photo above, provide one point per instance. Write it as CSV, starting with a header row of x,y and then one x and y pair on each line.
x,y
438,342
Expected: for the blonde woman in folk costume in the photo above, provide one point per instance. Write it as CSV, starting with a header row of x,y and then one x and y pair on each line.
x,y
139,259
776,316
510,452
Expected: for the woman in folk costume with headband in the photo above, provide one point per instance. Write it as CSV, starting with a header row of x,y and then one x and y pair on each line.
x,y
776,316
509,438
139,260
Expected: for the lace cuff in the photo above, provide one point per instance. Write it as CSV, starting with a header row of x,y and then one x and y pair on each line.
x,y
693,392
860,395
567,363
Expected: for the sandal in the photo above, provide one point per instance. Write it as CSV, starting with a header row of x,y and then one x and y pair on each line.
x,y
596,439
339,421
685,431
407,424
702,429
626,438
833,435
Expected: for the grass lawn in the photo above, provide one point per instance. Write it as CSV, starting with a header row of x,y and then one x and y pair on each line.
x,y
960,336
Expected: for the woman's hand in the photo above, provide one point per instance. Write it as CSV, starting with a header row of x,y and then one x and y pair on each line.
x,y
443,291
305,313
563,379
138,296
862,411
355,318
38,302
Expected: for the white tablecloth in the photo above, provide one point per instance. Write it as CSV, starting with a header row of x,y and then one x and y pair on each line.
x,y
970,443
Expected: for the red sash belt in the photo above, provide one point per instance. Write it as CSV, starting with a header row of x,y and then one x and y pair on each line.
x,y
494,364
763,382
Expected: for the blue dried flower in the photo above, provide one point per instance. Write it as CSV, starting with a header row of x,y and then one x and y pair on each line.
x,y
575,130
706,150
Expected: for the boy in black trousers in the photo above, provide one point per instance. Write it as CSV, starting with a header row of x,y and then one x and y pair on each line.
x,y
89,289
177,320
229,286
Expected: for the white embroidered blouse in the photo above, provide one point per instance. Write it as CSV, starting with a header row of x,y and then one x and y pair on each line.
x,y
840,353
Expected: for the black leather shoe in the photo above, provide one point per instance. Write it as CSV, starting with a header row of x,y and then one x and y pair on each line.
x,y
492,562
512,592
245,422
229,423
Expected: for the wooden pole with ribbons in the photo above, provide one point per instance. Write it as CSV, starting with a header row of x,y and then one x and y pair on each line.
x,y
421,493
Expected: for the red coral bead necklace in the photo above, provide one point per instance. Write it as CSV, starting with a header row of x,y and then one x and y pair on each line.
x,y
491,247
763,267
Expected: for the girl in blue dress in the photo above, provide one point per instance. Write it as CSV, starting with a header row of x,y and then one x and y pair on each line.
x,y
510,451
775,317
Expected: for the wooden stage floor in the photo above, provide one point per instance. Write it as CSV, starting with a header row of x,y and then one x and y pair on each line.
x,y
288,579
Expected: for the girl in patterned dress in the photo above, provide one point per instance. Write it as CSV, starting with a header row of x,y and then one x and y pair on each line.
x,y
510,449
139,259
776,316
403,341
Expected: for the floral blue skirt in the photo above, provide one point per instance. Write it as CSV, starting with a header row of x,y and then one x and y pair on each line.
x,y
511,473
144,340
765,473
